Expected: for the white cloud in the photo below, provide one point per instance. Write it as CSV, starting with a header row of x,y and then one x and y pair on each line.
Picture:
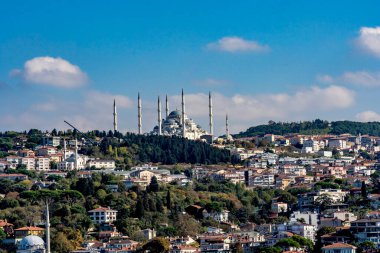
x,y
236,44
325,79
369,40
362,78
92,110
51,71
210,82
247,110
368,116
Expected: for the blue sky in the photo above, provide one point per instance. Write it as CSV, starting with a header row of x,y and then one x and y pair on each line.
x,y
279,60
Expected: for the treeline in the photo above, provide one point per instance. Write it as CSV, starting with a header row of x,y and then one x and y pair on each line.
x,y
313,127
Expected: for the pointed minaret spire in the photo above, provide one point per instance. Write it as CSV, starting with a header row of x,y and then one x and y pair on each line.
x,y
47,227
227,131
167,107
64,149
114,116
159,118
183,116
210,113
76,154
139,123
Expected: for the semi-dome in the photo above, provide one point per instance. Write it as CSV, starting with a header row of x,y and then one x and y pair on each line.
x,y
32,242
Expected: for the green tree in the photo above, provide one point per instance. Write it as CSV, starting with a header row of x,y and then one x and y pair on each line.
x,y
168,200
153,186
157,245
364,190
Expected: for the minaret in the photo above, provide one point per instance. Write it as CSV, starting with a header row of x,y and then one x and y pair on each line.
x,y
64,149
114,116
167,107
159,118
183,116
227,131
47,227
210,113
76,154
139,114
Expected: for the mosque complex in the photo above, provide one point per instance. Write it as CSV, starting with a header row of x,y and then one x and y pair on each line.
x,y
177,122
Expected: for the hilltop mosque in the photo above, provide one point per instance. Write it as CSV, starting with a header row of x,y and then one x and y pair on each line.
x,y
176,123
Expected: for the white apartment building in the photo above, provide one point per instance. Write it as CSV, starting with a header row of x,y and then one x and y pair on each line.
x,y
305,230
101,164
338,143
102,215
221,216
312,145
42,163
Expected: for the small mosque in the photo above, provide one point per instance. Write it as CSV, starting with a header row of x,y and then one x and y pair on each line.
x,y
31,244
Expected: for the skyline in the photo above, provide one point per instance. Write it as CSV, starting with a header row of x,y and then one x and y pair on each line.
x,y
261,61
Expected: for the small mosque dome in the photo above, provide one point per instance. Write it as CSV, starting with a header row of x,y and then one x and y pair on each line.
x,y
32,242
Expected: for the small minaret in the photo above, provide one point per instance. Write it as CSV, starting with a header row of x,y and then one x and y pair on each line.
x,y
139,114
183,116
64,149
47,227
167,107
210,113
76,154
159,118
114,116
227,131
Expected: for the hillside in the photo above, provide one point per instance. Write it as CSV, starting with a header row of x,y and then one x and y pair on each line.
x,y
313,127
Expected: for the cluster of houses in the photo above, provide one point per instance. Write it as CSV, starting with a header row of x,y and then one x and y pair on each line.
x,y
54,154
320,145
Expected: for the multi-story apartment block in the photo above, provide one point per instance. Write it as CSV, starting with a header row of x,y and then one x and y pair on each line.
x,y
302,229
51,141
101,164
338,143
42,163
103,215
215,243
367,230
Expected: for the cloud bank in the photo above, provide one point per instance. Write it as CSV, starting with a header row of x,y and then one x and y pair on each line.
x,y
369,40
368,116
51,71
236,44
359,78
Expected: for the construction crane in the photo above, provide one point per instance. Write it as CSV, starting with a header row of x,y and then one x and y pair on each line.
x,y
84,135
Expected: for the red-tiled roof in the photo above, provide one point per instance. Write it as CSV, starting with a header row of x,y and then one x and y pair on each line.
x,y
31,228
339,246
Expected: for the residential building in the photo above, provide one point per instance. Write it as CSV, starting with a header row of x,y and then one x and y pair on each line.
x,y
103,215
339,248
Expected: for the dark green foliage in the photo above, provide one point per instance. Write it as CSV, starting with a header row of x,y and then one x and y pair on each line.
x,y
153,186
314,127
157,245
171,150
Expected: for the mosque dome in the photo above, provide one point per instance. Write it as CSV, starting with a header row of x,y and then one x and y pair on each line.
x,y
174,114
32,242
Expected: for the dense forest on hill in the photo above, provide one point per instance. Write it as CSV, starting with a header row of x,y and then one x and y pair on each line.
x,y
313,127
129,149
